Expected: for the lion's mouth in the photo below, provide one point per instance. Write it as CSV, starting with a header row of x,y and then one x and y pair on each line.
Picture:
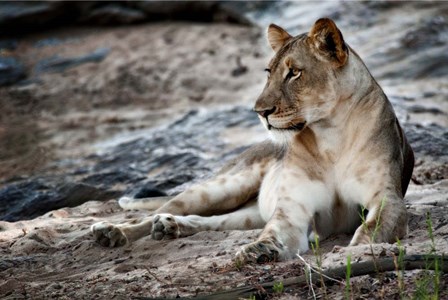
x,y
295,127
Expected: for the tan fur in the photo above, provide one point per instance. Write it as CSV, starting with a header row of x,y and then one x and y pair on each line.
x,y
337,146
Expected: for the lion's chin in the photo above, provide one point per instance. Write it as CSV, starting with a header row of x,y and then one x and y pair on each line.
x,y
282,137
297,127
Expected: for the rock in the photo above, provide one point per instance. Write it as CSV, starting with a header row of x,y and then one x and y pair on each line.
x,y
178,155
12,194
18,11
421,52
198,11
240,68
31,198
114,14
419,109
429,33
24,17
11,71
113,177
60,64
433,64
53,42
401,110
8,44
428,140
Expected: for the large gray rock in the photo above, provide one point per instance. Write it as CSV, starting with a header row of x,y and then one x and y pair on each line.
x,y
32,198
182,154
428,140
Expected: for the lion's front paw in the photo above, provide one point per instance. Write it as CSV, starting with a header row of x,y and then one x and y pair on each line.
x,y
165,227
108,235
258,252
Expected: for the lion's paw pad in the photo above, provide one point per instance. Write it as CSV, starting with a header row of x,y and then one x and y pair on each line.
x,y
108,235
165,227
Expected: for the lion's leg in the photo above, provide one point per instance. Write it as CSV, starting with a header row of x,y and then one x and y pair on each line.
x,y
168,226
386,220
216,196
280,240
230,189
286,233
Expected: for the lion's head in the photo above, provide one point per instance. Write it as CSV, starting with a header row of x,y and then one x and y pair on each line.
x,y
305,78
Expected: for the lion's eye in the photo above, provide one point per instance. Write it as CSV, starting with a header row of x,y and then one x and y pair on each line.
x,y
296,72
293,73
268,71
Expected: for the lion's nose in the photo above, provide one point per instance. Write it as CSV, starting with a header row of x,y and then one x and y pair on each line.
x,y
265,112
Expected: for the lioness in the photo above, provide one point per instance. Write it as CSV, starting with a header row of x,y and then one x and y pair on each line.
x,y
336,146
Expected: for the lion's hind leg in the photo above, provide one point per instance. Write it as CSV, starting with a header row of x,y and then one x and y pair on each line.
x,y
234,187
115,235
168,226
219,195
151,203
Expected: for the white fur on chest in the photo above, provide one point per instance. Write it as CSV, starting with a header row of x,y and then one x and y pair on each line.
x,y
302,198
283,186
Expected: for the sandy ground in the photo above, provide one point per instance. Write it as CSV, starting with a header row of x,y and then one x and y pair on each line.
x,y
55,256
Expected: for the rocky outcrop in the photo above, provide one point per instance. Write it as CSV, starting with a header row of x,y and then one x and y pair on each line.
x,y
181,154
24,17
37,196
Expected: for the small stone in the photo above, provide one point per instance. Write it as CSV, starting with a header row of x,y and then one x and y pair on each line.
x,y
57,286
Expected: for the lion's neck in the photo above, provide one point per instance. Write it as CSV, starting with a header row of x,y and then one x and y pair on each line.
x,y
362,110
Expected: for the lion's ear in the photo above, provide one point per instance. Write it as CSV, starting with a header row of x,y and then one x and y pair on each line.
x,y
328,40
277,37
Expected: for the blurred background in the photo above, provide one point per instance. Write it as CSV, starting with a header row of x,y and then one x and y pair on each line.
x,y
100,99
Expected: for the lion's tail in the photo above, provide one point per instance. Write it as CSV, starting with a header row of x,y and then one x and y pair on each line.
x,y
152,203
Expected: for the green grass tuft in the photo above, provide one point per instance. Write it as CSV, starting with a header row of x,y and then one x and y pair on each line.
x,y
278,287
